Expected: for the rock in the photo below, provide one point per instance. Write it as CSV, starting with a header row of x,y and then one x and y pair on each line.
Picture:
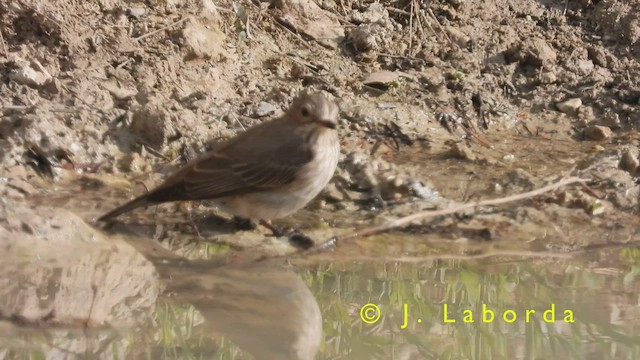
x,y
629,161
597,55
107,5
33,75
509,158
521,179
607,167
626,198
422,191
433,78
202,41
570,106
597,208
137,12
360,171
535,52
587,114
495,188
332,193
263,109
374,14
381,179
597,132
585,67
542,53
611,119
462,151
308,18
63,271
382,79
133,163
548,77
208,9
564,198
362,39
120,91
589,204
153,123
456,3
458,37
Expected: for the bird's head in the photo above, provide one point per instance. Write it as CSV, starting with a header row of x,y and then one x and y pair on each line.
x,y
314,109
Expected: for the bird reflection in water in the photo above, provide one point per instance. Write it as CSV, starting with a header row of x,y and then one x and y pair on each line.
x,y
266,310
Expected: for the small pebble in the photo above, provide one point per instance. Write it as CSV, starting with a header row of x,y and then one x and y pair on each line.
x,y
137,12
570,106
462,151
629,161
597,132
263,109
509,157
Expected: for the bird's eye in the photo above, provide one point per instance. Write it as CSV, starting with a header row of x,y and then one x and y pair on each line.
x,y
305,111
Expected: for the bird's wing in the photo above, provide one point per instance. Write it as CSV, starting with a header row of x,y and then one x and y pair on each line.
x,y
218,176
230,171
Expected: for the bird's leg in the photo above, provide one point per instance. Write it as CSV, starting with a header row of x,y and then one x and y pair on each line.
x,y
194,226
296,237
277,231
243,224
193,223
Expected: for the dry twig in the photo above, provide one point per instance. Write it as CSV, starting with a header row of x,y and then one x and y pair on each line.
x,y
4,44
502,253
161,29
411,27
433,213
440,26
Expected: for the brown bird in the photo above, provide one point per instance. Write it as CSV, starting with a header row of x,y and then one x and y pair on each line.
x,y
267,172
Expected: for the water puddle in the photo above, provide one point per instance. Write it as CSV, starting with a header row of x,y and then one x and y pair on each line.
x,y
500,308
529,280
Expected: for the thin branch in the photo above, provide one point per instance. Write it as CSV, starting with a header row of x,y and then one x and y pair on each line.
x,y
433,213
296,35
161,29
396,10
4,44
424,16
420,26
411,27
504,253
440,26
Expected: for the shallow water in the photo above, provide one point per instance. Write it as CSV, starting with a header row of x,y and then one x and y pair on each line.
x,y
271,309
550,282
596,312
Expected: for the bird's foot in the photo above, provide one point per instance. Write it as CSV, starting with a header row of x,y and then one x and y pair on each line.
x,y
193,224
296,237
243,224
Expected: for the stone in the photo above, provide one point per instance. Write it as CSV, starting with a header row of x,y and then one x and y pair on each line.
x,y
629,161
570,106
597,132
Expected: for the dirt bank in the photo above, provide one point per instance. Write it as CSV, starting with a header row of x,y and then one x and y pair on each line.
x,y
440,104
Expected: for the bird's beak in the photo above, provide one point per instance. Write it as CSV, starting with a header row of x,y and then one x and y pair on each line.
x,y
327,123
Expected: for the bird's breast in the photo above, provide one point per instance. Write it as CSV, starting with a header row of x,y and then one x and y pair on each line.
x,y
316,174
308,183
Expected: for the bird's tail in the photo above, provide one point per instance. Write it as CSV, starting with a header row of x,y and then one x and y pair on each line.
x,y
133,204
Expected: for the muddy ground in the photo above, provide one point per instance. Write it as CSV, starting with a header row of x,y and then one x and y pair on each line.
x,y
442,103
